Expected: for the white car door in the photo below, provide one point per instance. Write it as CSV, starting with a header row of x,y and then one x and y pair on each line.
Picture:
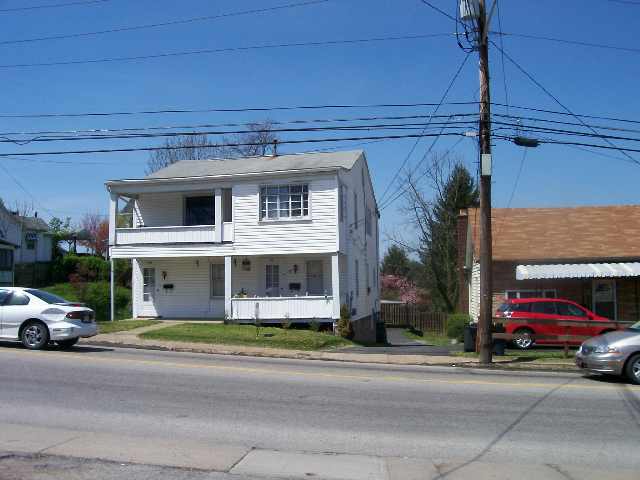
x,y
15,310
4,294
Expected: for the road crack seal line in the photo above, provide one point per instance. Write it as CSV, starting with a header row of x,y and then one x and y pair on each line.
x,y
559,470
509,428
237,462
631,403
43,451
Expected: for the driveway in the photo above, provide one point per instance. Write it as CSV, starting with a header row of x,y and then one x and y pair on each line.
x,y
398,344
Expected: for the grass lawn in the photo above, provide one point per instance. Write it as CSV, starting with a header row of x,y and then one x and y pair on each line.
x,y
428,338
123,325
246,335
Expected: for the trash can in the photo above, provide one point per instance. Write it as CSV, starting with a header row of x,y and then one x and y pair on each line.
x,y
470,333
498,347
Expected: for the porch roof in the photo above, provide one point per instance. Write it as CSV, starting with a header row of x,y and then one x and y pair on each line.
x,y
578,270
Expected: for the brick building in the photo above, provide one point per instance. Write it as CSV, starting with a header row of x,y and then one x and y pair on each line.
x,y
590,255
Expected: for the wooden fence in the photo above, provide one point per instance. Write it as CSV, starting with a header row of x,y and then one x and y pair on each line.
x,y
407,315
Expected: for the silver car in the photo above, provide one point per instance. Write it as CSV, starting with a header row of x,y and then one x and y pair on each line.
x,y
614,353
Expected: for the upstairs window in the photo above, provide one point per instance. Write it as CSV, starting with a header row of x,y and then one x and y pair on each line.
x,y
355,211
227,205
367,221
200,210
284,202
342,202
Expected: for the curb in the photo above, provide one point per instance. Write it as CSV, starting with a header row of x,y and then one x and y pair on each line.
x,y
504,366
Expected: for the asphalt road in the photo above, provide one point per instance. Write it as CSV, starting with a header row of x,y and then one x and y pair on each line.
x,y
439,414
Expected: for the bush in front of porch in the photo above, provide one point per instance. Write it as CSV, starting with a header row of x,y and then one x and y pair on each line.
x,y
249,335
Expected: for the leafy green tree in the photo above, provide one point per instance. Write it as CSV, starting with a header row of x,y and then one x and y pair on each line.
x,y
396,262
62,232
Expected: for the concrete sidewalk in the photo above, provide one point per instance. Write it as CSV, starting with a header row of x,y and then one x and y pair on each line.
x,y
20,444
130,338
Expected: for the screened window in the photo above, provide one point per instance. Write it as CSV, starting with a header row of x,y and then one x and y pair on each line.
x,y
367,221
30,240
200,210
148,283
355,210
284,201
227,205
342,202
272,280
357,279
217,280
6,259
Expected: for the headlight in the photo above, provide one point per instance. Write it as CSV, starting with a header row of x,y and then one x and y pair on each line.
x,y
606,349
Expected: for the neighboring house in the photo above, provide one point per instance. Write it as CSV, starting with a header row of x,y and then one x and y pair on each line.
x,y
277,238
587,254
9,242
36,241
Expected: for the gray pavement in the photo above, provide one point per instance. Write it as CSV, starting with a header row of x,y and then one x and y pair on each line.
x,y
261,417
398,344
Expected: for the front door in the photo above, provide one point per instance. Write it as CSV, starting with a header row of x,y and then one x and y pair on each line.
x,y
149,292
315,281
604,298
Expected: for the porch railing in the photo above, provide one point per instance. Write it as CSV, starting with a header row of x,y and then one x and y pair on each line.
x,y
169,234
281,308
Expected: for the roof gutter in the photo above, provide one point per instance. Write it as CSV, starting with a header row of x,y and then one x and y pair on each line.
x,y
161,181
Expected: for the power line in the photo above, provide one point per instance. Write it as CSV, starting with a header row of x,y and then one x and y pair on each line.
x,y
569,42
555,99
323,43
504,71
415,145
229,110
591,145
24,189
281,142
57,5
161,24
245,124
356,127
439,10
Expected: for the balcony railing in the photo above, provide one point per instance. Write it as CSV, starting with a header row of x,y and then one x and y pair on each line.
x,y
170,234
281,308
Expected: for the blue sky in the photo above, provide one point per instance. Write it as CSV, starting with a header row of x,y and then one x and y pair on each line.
x,y
585,79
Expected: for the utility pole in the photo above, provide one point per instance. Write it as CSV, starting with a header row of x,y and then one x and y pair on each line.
x,y
474,18
486,254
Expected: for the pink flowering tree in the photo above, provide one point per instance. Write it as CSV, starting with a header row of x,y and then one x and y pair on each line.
x,y
395,287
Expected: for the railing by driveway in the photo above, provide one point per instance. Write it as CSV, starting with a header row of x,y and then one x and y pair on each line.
x,y
281,308
408,315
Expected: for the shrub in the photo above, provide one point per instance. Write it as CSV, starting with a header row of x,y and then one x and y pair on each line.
x,y
345,328
455,325
315,325
97,297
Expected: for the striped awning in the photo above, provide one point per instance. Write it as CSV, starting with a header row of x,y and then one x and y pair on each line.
x,y
578,270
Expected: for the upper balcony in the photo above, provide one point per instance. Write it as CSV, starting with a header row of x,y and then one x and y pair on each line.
x,y
172,218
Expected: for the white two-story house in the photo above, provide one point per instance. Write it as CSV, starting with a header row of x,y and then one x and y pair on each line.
x,y
275,238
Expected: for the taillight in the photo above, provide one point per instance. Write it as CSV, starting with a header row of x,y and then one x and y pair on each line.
x,y
75,315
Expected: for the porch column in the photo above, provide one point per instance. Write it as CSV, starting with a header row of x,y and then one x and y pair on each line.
x,y
335,284
218,215
113,212
227,288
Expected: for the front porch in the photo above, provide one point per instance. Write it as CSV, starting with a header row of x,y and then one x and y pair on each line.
x,y
270,289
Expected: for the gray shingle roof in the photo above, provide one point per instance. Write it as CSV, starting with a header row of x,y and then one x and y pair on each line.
x,y
303,161
33,223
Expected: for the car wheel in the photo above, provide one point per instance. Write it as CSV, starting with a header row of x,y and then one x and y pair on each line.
x,y
64,344
34,335
633,369
522,338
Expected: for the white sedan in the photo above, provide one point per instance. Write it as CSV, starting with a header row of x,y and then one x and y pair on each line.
x,y
35,318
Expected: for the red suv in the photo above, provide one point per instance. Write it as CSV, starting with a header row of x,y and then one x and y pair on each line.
x,y
547,309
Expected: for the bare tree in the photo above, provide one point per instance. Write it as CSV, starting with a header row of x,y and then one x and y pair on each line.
x,y
23,208
435,219
94,233
257,141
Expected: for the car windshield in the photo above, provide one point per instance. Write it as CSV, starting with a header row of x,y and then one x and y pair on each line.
x,y
46,296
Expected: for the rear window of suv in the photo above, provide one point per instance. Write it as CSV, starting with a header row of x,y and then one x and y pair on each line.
x,y
515,307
